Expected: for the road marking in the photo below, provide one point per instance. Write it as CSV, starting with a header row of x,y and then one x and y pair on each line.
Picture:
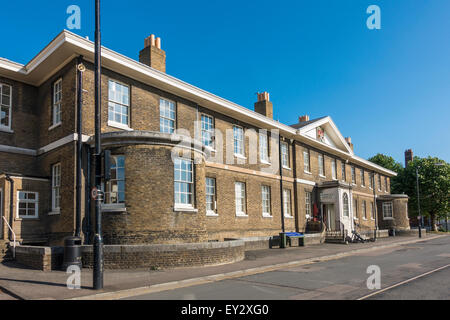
x,y
403,282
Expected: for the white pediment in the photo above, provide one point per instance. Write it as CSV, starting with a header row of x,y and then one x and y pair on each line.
x,y
325,131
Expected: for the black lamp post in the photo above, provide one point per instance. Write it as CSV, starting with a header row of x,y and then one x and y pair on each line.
x,y
98,241
419,218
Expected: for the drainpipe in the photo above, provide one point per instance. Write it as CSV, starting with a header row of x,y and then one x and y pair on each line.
x,y
375,206
294,169
87,196
11,204
80,69
281,183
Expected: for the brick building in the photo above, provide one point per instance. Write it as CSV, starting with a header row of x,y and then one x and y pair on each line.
x,y
187,166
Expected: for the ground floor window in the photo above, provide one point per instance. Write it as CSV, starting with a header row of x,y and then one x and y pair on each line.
x,y
355,208
372,211
308,204
115,187
183,182
287,203
239,190
265,197
56,185
364,211
387,210
345,204
210,195
27,204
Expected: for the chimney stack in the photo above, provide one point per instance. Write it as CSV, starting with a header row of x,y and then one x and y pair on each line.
x,y
349,142
263,105
408,156
152,54
303,118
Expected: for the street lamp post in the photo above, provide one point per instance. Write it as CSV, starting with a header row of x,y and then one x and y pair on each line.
x,y
419,218
98,241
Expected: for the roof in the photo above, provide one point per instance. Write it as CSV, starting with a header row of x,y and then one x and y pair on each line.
x,y
305,123
67,45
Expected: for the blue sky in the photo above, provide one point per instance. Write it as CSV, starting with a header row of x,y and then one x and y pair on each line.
x,y
388,89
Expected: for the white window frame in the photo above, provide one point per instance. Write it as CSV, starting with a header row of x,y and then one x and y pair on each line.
x,y
321,161
308,196
189,182
306,162
343,172
333,169
371,181
266,201
362,176
263,147
208,194
372,211
353,172
379,182
240,198
238,141
35,201
364,210
57,101
56,187
112,122
285,155
165,109
345,205
109,184
287,203
2,105
207,130
355,209
388,208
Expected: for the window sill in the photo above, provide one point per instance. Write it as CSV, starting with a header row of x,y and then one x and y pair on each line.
x,y
322,176
7,130
365,219
265,162
388,218
210,213
241,215
55,126
267,216
119,125
26,218
289,217
185,209
286,168
54,212
307,172
240,156
363,186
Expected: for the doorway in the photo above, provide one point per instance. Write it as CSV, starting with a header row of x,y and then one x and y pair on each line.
x,y
330,217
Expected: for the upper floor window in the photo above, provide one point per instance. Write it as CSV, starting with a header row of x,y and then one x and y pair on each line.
x,y
353,175
57,98
308,204
355,208
372,211
239,191
211,196
118,103
387,210
56,186
238,137
265,198
207,130
379,182
183,182
27,204
321,165
333,169
343,174
263,147
363,183
345,204
306,166
115,187
284,155
385,184
287,203
371,180
5,106
166,116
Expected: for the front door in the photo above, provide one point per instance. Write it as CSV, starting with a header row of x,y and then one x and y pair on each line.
x,y
331,217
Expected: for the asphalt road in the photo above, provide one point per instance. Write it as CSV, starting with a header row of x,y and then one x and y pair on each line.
x,y
345,278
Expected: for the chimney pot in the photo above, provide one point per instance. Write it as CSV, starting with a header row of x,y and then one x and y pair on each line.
x,y
263,104
158,43
152,55
303,118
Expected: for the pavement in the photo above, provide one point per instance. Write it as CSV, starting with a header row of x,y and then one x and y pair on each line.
x,y
17,282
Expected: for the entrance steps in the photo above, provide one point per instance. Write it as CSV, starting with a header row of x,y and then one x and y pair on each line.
x,y
6,250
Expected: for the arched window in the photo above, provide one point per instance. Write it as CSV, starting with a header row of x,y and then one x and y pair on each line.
x,y
345,202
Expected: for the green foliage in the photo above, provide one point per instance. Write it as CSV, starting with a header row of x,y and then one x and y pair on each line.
x,y
390,163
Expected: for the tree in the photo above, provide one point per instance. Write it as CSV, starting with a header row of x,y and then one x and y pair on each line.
x,y
434,187
390,163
